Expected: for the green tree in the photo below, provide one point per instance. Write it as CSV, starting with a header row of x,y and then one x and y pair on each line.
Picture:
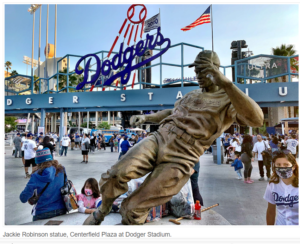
x,y
7,66
10,123
36,84
263,130
84,125
104,125
286,50
14,72
74,79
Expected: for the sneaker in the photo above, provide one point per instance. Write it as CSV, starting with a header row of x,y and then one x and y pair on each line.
x,y
261,179
27,175
249,182
83,162
86,162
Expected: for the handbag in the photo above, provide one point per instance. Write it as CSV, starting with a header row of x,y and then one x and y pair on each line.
x,y
267,156
69,193
34,199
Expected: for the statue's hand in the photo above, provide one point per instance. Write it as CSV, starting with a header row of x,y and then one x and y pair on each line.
x,y
212,72
137,120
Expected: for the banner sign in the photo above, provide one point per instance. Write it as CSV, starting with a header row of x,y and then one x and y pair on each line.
x,y
41,129
152,23
179,79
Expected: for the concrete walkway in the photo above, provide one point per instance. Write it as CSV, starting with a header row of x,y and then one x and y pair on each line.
x,y
240,203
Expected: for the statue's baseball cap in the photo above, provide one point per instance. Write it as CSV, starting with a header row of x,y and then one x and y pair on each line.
x,y
206,54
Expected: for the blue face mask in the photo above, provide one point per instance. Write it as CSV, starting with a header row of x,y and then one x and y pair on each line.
x,y
284,172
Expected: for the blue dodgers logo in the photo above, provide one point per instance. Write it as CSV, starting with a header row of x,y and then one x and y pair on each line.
x,y
119,60
289,200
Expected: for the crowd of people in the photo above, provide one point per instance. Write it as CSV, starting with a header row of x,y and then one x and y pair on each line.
x,y
281,169
25,146
277,155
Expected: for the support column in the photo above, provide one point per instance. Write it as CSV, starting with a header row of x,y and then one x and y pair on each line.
x,y
27,121
32,125
88,120
43,115
250,131
62,120
96,118
282,128
292,112
108,115
52,124
219,152
55,118
65,123
113,118
79,122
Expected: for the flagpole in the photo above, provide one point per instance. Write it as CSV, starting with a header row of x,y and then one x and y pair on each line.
x,y
212,30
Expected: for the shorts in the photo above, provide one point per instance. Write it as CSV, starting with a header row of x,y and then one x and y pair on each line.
x,y
29,162
76,143
22,154
85,152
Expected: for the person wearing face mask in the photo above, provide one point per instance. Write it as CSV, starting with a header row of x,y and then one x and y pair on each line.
x,y
282,192
90,198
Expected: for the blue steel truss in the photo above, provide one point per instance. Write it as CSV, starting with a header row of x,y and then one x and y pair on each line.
x,y
160,64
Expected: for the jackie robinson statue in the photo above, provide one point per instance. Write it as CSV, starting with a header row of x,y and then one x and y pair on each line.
x,y
170,153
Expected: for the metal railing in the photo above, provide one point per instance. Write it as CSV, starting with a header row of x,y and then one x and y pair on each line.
x,y
182,80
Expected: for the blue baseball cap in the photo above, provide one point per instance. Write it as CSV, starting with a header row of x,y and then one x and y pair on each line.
x,y
18,134
43,155
41,133
29,135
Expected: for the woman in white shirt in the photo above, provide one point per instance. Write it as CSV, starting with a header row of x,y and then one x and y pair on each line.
x,y
236,145
282,192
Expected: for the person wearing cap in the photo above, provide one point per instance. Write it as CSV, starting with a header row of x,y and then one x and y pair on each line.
x,y
29,154
170,154
50,203
125,145
85,145
120,142
17,142
64,143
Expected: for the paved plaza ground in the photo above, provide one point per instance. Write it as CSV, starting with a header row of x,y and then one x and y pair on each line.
x,y
240,203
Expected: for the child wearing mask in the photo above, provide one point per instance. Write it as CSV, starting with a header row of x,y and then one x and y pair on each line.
x,y
282,192
90,198
238,165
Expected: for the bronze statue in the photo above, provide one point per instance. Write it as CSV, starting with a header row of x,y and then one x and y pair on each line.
x,y
170,153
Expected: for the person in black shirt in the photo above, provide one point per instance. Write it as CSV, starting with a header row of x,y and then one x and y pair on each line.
x,y
46,143
72,137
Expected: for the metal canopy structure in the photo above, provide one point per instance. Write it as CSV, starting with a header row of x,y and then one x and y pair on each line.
x,y
159,96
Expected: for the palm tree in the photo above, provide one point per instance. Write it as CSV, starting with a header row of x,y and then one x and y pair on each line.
x,y
74,79
7,65
286,50
36,84
14,72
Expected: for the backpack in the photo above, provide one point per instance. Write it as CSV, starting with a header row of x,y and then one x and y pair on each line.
x,y
68,193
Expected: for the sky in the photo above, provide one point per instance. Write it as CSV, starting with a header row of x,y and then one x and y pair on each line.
x,y
84,29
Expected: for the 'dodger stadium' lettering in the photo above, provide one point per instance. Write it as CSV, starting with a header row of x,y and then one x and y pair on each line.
x,y
119,60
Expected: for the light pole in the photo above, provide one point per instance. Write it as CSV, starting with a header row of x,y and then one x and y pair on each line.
x,y
31,10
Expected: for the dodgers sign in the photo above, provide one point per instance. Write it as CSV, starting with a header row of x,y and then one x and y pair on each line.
x,y
122,58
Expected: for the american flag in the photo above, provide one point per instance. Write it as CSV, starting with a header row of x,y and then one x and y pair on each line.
x,y
203,19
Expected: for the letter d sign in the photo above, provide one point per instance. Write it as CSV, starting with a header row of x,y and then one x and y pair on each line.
x,y
9,102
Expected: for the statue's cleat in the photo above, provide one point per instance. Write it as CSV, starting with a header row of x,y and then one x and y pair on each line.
x,y
95,218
